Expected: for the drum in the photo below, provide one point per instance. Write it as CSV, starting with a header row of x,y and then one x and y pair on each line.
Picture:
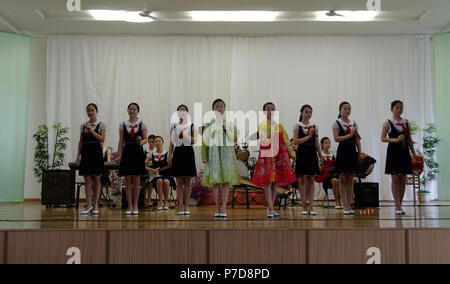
x,y
243,155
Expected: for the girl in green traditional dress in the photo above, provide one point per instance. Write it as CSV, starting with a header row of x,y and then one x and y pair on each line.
x,y
221,171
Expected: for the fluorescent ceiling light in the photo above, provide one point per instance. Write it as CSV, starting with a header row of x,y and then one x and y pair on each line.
x,y
134,17
234,16
116,15
348,16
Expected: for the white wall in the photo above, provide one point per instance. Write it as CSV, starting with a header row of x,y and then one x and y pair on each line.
x,y
37,110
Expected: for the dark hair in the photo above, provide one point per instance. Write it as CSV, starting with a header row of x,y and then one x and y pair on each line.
x,y
302,110
151,137
218,101
322,141
92,105
394,103
134,104
341,106
267,104
180,106
156,137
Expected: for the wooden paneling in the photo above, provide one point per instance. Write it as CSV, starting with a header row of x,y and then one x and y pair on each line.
x,y
257,247
352,246
158,247
2,247
52,247
429,246
295,247
238,246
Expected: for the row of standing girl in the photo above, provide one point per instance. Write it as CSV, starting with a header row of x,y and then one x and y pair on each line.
x,y
276,170
273,168
132,160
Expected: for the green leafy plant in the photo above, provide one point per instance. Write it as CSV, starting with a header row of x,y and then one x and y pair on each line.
x,y
42,155
414,128
430,145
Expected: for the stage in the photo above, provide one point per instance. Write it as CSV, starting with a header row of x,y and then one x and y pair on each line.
x,y
30,233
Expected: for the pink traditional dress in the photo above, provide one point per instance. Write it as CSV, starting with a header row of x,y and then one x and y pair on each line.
x,y
274,164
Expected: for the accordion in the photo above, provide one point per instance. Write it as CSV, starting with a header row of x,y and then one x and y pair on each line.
x,y
365,168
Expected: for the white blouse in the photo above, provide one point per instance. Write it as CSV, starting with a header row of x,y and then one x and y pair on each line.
x,y
344,125
175,131
305,128
94,126
128,125
396,124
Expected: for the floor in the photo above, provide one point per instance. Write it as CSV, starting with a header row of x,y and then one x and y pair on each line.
x,y
32,216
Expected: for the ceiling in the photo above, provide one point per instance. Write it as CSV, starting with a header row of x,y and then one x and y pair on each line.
x,y
398,17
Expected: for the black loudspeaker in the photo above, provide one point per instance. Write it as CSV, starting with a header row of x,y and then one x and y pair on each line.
x,y
141,201
367,195
58,188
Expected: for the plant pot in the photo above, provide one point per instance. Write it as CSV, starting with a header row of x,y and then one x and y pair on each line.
x,y
193,202
424,197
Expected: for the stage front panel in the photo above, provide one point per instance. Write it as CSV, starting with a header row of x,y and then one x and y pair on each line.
x,y
158,247
429,246
257,247
2,247
56,247
356,246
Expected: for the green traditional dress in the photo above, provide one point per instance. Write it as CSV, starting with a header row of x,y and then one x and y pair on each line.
x,y
218,148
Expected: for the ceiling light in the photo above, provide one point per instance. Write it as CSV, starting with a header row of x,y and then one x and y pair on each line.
x,y
116,15
234,16
348,16
135,17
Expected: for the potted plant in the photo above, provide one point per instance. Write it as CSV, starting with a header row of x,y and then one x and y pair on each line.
x,y
57,185
431,169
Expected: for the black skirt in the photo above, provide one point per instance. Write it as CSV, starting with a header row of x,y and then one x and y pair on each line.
x,y
133,160
307,161
398,160
91,163
183,163
347,158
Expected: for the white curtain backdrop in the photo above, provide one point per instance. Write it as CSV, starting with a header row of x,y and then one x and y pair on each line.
x,y
160,73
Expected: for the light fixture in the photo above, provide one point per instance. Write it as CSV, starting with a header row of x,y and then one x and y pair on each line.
x,y
117,15
347,16
234,16
135,17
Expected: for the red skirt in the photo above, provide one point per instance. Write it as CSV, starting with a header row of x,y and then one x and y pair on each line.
x,y
274,168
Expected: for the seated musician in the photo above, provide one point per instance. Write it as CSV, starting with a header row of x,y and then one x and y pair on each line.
x,y
106,181
148,181
160,167
328,178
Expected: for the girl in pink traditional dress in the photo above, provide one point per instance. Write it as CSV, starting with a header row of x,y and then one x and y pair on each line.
x,y
274,165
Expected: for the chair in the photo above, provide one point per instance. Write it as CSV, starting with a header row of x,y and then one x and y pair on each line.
x,y
105,197
327,199
414,180
173,187
283,196
77,200
240,187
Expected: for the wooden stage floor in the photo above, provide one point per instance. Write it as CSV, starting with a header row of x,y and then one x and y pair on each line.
x,y
30,233
31,216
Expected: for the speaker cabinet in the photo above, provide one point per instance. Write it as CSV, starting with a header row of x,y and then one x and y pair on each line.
x,y
367,195
58,188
